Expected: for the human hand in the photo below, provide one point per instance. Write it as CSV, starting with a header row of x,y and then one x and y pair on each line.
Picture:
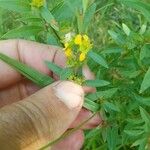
x,y
35,119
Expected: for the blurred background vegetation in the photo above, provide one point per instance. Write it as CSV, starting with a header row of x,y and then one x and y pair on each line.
x,y
120,31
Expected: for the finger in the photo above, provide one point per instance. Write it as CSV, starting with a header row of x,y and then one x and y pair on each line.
x,y
84,115
89,75
17,92
41,117
23,89
73,142
30,53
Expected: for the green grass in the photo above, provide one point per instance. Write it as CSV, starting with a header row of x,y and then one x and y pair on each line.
x,y
120,31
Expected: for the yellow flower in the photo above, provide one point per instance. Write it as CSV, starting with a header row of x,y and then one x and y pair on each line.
x,y
82,56
37,3
68,52
86,38
78,39
66,45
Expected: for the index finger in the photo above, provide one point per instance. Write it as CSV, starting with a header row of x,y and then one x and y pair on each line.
x,y
31,53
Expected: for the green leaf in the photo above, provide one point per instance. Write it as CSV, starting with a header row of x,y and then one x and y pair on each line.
x,y
52,40
142,100
31,19
88,16
138,142
134,132
143,144
96,83
21,32
85,4
143,29
54,68
146,82
116,37
93,132
16,5
66,73
145,52
130,73
126,29
90,105
103,94
112,136
139,5
111,50
145,115
49,18
98,59
110,106
35,76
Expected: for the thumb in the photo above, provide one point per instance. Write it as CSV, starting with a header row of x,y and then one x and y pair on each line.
x,y
41,117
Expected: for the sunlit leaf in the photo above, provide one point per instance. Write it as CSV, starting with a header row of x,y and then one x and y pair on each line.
x,y
126,29
146,81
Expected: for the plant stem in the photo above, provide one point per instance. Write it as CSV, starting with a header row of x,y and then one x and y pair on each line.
x,y
66,134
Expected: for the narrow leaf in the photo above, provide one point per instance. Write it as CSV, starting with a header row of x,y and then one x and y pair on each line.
x,y
116,37
138,142
54,68
49,18
145,52
90,105
138,5
111,50
143,29
134,132
103,94
112,134
96,83
142,100
66,73
16,5
126,29
85,4
110,106
146,82
88,15
98,59
21,32
145,116
35,76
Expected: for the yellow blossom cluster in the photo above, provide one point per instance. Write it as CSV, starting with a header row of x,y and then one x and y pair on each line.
x,y
78,47
37,3
76,79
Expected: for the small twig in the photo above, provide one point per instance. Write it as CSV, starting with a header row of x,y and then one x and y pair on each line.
x,y
66,134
